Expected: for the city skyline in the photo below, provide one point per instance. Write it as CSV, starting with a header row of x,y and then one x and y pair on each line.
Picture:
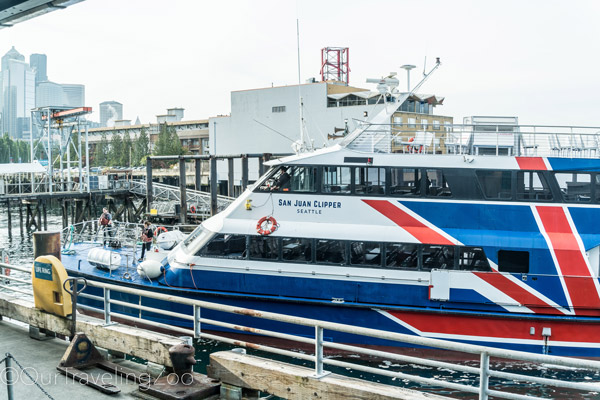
x,y
498,58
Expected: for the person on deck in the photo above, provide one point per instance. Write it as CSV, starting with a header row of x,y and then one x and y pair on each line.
x,y
106,223
147,235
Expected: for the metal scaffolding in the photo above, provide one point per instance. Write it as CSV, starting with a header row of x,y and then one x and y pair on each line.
x,y
56,140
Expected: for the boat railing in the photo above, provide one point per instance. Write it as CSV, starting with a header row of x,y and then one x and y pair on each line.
x,y
479,373
480,139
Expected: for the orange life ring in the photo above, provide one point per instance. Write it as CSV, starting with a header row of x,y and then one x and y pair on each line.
x,y
408,146
159,229
193,209
266,225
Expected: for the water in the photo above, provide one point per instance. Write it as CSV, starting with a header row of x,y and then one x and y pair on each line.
x,y
20,251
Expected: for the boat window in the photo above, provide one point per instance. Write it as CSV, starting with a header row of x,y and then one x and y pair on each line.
x,y
402,255
225,245
264,248
302,179
438,257
532,185
436,185
197,239
495,184
369,180
336,180
513,261
331,251
574,187
299,250
597,195
473,259
405,182
365,253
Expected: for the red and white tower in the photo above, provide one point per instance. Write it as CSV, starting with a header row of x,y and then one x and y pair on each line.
x,y
335,65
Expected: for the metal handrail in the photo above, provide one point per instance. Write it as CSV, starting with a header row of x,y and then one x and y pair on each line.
x,y
484,370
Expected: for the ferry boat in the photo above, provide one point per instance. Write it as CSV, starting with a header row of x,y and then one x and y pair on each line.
x,y
383,232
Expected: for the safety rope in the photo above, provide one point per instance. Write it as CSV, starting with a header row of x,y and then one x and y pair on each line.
x,y
8,355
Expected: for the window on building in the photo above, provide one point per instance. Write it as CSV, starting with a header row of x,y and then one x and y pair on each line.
x,y
296,250
412,122
264,248
436,185
402,255
369,180
575,187
436,125
473,259
365,253
424,123
532,186
336,180
330,251
405,182
398,121
495,184
438,257
278,109
331,102
513,261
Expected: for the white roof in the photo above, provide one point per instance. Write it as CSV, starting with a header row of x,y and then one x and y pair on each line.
x,y
22,168
365,94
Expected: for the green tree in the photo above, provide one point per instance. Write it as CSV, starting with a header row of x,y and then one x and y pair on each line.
x,y
126,153
141,148
101,151
175,147
116,150
162,143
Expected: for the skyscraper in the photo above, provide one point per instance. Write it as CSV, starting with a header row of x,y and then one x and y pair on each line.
x,y
39,62
74,95
17,94
110,111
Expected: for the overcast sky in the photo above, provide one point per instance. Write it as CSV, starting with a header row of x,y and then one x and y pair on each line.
x,y
538,60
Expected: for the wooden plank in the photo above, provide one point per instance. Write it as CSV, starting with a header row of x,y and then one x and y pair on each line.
x,y
296,382
137,342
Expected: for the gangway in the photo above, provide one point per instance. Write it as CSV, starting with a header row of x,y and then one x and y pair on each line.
x,y
166,197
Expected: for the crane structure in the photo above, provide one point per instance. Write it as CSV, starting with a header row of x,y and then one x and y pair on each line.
x,y
56,142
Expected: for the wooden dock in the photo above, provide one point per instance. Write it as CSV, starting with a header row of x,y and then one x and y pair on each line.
x,y
240,375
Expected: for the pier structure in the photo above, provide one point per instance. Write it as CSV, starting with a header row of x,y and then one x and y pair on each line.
x,y
217,200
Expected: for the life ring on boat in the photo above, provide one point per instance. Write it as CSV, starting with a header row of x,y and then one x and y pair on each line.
x,y
159,229
193,209
266,225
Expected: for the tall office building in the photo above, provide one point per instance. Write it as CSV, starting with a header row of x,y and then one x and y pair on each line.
x,y
48,94
74,95
39,62
17,94
110,111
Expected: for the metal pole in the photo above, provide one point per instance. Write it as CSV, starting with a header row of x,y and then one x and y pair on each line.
x,y
69,177
87,158
244,172
31,151
106,306
197,327
230,177
198,174
182,192
213,186
9,377
80,157
318,350
484,378
49,153
148,184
